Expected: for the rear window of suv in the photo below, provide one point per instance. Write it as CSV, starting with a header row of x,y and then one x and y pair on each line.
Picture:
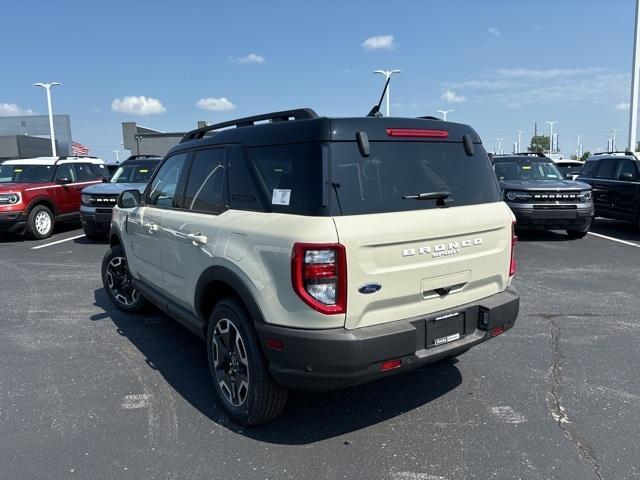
x,y
378,183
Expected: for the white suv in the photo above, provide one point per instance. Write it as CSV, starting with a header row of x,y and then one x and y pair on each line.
x,y
315,253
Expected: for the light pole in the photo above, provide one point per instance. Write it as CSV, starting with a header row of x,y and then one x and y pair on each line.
x,y
520,132
47,87
387,75
551,124
635,83
444,114
613,144
499,140
578,148
117,152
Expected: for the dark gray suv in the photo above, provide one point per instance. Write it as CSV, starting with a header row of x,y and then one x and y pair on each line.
x,y
541,196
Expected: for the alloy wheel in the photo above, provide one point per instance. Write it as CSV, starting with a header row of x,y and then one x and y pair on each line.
x,y
230,362
120,282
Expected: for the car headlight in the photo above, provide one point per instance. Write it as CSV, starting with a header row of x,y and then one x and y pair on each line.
x,y
586,196
9,198
85,199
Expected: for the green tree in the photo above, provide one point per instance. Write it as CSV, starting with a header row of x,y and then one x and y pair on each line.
x,y
585,155
539,144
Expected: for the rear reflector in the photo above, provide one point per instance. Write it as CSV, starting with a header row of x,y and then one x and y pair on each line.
x,y
275,344
416,132
390,365
494,332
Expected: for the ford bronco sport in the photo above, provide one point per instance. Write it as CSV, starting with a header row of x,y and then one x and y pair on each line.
x,y
37,192
316,253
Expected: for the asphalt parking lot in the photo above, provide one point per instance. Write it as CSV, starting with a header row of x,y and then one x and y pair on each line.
x,y
89,392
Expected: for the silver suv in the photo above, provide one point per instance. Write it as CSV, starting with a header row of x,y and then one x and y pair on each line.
x,y
315,253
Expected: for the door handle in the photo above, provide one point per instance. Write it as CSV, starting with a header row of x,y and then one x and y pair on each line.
x,y
197,238
153,227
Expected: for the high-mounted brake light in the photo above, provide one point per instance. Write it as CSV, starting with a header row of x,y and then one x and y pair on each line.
x,y
417,132
514,241
319,276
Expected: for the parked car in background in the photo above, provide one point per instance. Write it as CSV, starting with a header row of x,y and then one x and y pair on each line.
x,y
541,197
98,200
315,253
35,193
570,168
615,178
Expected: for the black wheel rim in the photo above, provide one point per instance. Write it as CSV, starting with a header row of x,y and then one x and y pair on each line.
x,y
120,282
230,362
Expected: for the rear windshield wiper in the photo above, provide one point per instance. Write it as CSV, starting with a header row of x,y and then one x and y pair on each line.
x,y
428,196
439,197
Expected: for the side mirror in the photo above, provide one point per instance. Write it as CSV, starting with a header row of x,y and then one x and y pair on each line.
x,y
105,179
63,181
129,199
568,176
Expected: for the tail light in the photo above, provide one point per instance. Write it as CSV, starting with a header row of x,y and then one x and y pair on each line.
x,y
319,276
417,133
514,241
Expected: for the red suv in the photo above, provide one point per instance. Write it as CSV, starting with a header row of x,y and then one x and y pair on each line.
x,y
37,192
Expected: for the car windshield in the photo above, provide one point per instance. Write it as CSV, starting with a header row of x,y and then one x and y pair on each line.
x,y
25,173
572,168
139,172
526,169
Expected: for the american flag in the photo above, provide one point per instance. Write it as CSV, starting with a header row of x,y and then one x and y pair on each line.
x,y
79,149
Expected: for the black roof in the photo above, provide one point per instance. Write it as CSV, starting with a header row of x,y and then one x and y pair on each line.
x,y
141,158
304,125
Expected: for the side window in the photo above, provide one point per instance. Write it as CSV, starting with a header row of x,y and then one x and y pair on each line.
x,y
627,170
606,168
84,172
65,171
163,188
206,187
589,168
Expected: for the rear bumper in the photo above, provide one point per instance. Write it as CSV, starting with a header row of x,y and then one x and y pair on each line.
x,y
574,217
13,222
320,360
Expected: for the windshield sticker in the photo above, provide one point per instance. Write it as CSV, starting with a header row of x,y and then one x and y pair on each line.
x,y
281,197
17,170
143,170
526,167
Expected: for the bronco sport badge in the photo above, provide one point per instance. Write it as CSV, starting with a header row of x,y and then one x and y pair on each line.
x,y
442,249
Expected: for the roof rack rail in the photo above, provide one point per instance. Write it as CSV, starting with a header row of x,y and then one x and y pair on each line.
x,y
624,152
522,154
283,116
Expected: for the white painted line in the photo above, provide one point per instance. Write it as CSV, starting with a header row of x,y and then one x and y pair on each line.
x,y
615,239
55,243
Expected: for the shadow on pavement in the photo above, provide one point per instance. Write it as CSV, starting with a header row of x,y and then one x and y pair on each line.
x,y
616,229
59,228
542,235
181,359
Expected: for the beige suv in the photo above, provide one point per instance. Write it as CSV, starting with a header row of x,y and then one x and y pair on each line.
x,y
315,253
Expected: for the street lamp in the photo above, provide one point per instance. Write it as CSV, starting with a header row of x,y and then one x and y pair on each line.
x,y
47,87
520,132
551,124
635,82
579,148
444,113
387,75
613,144
499,140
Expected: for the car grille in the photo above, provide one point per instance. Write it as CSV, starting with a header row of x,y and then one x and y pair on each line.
x,y
553,197
108,201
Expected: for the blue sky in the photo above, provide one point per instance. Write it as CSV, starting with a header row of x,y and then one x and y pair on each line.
x,y
501,65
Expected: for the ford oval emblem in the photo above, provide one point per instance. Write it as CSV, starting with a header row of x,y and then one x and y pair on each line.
x,y
368,288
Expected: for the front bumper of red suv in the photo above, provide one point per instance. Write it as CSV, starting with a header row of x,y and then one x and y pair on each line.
x,y
13,222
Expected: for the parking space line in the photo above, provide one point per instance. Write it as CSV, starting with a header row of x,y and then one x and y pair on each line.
x,y
615,239
55,243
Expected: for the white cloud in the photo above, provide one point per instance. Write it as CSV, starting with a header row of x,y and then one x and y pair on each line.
x,y
493,31
378,42
558,86
252,58
221,104
623,106
10,109
138,105
451,97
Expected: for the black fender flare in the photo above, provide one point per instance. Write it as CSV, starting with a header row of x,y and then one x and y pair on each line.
x,y
220,273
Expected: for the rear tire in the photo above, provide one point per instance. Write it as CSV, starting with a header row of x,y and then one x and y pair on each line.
x,y
40,223
118,282
576,234
239,371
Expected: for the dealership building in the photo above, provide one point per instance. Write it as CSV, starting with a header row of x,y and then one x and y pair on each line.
x,y
28,136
